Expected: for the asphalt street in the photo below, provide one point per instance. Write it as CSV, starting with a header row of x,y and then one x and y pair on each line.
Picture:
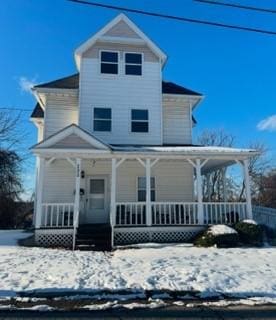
x,y
176,312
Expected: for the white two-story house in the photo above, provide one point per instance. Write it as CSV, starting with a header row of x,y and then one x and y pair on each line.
x,y
115,159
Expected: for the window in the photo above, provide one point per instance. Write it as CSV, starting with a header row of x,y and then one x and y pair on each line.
x,y
133,64
102,119
139,120
142,189
109,62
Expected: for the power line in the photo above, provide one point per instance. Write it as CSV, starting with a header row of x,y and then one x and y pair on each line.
x,y
16,109
178,18
238,6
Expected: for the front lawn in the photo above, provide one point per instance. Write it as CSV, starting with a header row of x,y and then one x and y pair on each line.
x,y
239,272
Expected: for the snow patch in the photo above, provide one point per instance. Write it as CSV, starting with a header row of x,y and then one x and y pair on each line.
x,y
41,308
250,221
102,306
221,229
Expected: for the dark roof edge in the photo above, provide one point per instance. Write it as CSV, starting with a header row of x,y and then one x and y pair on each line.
x,y
38,112
69,82
72,82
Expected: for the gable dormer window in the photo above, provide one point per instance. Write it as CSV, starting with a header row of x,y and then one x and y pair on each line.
x,y
109,62
133,64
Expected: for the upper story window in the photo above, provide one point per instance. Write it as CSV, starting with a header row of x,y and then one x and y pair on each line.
x,y
133,64
109,62
102,119
139,120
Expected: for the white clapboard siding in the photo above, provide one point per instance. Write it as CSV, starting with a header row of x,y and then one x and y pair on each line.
x,y
72,141
176,123
121,93
174,180
59,182
121,29
60,111
94,52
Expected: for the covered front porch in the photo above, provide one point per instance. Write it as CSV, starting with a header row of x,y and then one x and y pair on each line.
x,y
170,210
141,192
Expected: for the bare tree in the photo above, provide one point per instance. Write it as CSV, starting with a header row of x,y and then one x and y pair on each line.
x,y
218,138
10,167
267,191
10,131
258,166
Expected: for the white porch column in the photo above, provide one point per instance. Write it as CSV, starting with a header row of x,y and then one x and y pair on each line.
x,y
224,187
148,193
39,192
208,177
113,192
199,192
247,189
77,193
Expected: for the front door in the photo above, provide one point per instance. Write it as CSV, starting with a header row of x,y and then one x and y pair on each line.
x,y
96,202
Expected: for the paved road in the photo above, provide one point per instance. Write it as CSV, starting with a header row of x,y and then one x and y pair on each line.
x,y
237,312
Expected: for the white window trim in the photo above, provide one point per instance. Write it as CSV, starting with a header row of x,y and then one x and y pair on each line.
x,y
130,117
137,189
133,64
100,63
102,119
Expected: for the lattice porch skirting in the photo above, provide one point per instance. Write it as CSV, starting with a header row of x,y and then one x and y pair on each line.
x,y
155,234
54,237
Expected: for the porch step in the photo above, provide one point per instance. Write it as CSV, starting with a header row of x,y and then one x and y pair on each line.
x,y
94,237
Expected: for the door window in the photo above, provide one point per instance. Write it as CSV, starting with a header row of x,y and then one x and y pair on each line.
x,y
97,190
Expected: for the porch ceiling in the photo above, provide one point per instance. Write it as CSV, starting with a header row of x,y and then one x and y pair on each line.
x,y
216,164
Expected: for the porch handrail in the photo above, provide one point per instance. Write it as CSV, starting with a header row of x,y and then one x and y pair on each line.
x,y
179,213
130,213
224,212
57,215
174,213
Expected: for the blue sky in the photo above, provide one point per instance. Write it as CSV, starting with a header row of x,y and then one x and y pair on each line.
x,y
235,70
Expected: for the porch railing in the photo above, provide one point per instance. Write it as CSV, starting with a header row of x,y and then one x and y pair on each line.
x,y
223,212
174,213
179,213
130,213
266,216
57,215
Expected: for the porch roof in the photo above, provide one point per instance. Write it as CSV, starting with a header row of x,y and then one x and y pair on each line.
x,y
217,157
190,149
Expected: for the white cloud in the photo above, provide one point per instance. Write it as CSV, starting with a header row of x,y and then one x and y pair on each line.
x,y
268,123
26,84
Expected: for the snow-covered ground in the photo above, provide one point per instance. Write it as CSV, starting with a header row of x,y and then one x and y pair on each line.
x,y
235,272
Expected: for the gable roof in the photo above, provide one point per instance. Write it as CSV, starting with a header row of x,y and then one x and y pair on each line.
x,y
121,17
72,129
69,82
173,88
